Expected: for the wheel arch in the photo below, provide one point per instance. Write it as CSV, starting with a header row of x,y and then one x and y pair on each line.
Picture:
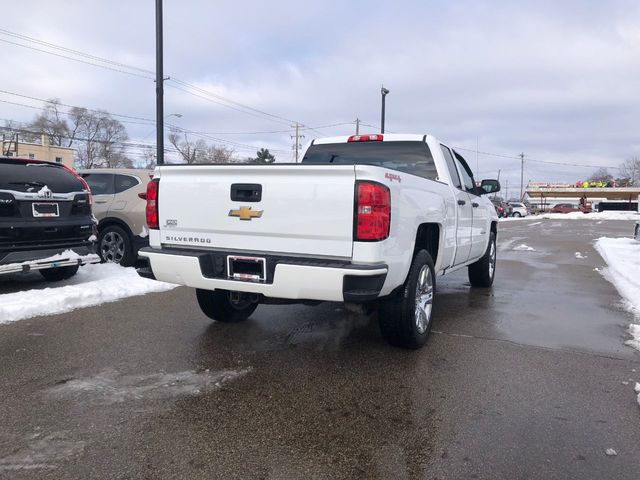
x,y
109,221
428,238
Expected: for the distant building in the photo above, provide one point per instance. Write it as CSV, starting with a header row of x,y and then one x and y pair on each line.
x,y
545,195
38,151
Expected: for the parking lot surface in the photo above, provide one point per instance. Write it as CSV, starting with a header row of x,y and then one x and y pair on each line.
x,y
527,380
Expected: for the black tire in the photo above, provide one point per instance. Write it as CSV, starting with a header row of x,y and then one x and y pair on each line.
x,y
115,246
59,273
482,272
400,323
218,305
517,214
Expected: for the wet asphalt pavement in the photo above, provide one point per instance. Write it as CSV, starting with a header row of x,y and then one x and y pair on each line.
x,y
523,381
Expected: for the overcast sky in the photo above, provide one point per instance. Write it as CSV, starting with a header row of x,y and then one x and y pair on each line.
x,y
557,80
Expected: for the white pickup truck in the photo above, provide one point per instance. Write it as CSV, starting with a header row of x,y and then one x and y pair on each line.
x,y
362,218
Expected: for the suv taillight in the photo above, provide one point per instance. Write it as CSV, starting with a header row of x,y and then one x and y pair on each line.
x,y
152,203
85,185
373,211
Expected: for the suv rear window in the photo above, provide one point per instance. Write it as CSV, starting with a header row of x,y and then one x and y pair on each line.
x,y
410,156
30,177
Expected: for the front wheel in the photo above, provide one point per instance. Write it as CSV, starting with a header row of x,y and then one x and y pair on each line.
x,y
59,273
405,318
225,306
517,214
481,273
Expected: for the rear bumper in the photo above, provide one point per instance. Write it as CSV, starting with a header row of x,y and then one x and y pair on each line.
x,y
28,260
292,278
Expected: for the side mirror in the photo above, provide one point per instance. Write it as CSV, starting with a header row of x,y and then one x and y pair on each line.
x,y
489,186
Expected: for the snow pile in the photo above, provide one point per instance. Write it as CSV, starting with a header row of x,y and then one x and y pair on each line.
x,y
637,390
623,259
94,284
607,215
524,248
579,255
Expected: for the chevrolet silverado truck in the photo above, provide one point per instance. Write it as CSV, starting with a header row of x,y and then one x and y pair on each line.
x,y
46,223
363,218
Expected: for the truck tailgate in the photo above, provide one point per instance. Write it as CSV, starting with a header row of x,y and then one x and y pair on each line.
x,y
303,209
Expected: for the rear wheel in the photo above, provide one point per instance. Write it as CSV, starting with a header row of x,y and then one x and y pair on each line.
x,y
115,246
482,272
517,214
225,306
405,318
59,273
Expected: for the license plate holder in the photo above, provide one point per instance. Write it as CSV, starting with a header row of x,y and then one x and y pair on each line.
x,y
248,269
48,209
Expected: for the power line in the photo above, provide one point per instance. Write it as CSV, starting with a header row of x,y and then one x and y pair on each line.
x,y
189,88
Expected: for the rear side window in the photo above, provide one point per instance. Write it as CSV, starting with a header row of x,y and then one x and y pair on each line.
x,y
411,157
125,182
100,183
31,177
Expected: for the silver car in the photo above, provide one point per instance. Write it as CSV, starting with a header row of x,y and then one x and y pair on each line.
x,y
119,205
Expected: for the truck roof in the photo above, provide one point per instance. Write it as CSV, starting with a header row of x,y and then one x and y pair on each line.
x,y
386,137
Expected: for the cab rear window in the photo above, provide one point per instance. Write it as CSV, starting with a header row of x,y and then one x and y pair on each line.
x,y
410,156
22,176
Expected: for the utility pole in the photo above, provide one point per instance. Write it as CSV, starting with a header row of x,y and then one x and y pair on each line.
x,y
521,175
297,136
494,195
357,126
384,92
506,189
159,87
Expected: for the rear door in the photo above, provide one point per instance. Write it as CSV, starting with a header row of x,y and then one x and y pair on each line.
x,y
103,191
300,209
465,211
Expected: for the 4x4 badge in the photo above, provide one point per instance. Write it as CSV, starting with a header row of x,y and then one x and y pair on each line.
x,y
245,213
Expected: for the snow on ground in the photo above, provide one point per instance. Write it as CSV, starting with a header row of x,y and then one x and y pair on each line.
x,y
592,216
637,390
576,216
623,259
579,255
524,248
92,285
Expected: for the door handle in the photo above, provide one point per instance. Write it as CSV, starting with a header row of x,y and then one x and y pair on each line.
x,y
461,202
475,205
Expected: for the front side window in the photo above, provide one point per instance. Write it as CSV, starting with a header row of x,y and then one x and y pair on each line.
x,y
465,175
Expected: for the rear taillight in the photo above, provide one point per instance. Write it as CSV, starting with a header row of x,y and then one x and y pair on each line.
x,y
365,138
152,203
373,211
84,183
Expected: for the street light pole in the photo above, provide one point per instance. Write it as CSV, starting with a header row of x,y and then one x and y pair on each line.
x,y
384,92
159,87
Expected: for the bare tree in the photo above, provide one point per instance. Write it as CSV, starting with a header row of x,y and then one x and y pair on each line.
x,y
601,175
149,159
52,123
113,136
198,151
630,169
186,147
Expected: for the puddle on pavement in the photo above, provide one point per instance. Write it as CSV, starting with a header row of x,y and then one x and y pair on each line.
x,y
42,452
110,386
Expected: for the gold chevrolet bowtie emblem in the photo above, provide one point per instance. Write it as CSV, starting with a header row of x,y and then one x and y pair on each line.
x,y
245,213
